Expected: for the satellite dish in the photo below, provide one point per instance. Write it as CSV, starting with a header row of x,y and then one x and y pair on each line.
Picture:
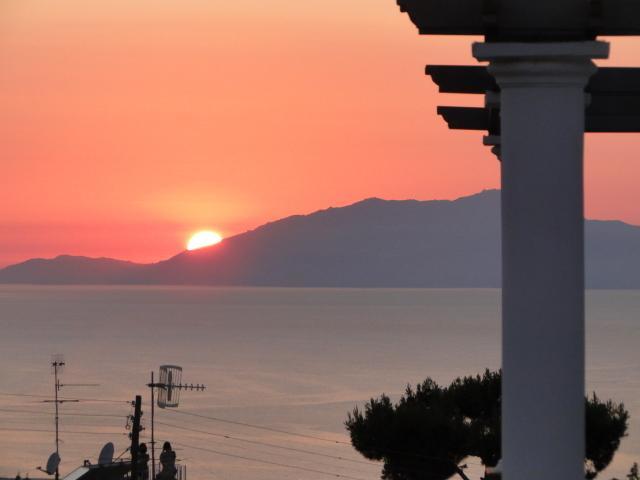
x,y
52,463
106,454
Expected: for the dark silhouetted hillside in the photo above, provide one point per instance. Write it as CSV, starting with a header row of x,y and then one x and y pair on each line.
x,y
373,243
68,269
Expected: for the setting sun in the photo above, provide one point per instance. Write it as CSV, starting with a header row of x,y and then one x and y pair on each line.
x,y
205,238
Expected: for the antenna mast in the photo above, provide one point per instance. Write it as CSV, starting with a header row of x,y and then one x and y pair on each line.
x,y
169,388
57,364
57,367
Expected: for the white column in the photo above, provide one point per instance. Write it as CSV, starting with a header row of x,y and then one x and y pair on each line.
x,y
542,103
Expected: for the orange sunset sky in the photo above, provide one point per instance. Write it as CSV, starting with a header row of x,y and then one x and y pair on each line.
x,y
127,125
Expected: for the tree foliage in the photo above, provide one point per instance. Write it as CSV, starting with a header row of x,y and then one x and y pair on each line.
x,y
606,424
634,473
432,429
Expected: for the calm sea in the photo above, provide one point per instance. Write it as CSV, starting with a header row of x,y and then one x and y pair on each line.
x,y
295,360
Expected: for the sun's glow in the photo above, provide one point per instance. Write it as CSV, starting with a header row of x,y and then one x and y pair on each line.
x,y
205,238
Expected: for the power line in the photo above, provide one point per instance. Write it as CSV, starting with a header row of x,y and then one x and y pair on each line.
x,y
268,462
269,429
80,432
31,395
259,427
405,469
212,418
66,414
100,400
225,436
238,423
23,395
272,445
221,420
258,451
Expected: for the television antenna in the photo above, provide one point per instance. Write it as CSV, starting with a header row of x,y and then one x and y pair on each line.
x,y
169,387
57,368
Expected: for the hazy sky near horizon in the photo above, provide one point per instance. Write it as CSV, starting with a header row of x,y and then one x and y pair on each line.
x,y
125,126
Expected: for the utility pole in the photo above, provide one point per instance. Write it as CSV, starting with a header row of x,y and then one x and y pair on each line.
x,y
135,438
153,439
57,363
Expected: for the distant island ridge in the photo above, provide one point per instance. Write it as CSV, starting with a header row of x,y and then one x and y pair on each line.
x,y
372,243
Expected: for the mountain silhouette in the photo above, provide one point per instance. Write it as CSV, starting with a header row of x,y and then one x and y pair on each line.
x,y
69,269
372,243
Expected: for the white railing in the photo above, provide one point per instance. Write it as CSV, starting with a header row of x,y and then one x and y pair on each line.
x,y
181,472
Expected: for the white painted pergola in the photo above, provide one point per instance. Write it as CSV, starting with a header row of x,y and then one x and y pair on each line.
x,y
540,55
542,103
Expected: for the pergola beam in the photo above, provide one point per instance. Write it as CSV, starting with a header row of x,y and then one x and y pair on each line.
x,y
525,20
477,80
487,119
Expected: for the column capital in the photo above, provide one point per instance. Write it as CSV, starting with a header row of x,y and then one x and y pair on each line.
x,y
541,64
